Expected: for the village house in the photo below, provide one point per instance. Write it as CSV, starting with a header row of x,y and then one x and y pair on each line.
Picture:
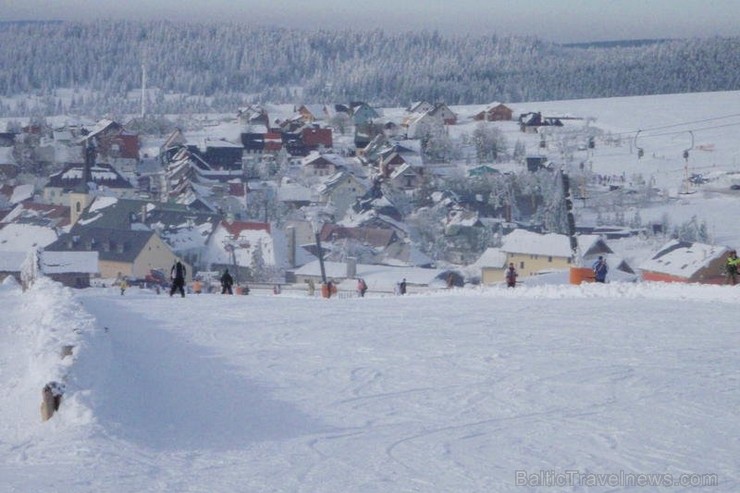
x,y
316,164
237,244
533,252
494,112
406,177
75,176
341,190
687,262
130,253
362,113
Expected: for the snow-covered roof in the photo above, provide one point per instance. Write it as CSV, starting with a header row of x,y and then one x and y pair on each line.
x,y
682,259
526,242
64,262
492,257
21,193
24,237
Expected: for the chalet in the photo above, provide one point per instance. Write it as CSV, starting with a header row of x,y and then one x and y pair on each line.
x,y
362,113
315,138
682,261
396,156
406,177
494,112
444,113
113,141
120,252
316,164
341,190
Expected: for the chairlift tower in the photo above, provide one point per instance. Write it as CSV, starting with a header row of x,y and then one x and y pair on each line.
x,y
686,178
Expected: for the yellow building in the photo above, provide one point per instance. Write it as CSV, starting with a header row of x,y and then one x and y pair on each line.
x,y
121,252
531,253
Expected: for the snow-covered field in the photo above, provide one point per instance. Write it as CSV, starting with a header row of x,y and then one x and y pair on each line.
x,y
540,388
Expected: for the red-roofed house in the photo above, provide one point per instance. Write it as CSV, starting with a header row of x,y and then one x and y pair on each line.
x,y
681,261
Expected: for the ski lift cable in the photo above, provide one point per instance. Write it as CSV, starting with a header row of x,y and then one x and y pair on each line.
x,y
678,132
673,125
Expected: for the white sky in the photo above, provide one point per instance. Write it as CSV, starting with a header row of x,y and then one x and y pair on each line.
x,y
561,21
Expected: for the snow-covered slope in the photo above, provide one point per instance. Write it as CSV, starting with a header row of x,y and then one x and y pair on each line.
x,y
449,391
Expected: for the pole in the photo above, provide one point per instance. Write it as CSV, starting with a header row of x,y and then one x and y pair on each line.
x,y
321,257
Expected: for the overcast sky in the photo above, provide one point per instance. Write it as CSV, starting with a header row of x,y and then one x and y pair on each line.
x,y
554,20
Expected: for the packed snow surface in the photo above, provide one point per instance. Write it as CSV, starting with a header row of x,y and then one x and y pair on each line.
x,y
466,390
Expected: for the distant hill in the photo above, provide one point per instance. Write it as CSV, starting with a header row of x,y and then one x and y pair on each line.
x,y
223,62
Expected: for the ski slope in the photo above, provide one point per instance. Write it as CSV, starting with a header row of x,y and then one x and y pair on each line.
x,y
453,391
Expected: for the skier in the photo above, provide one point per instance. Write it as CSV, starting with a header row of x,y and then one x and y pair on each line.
x,y
361,287
177,274
226,282
511,275
731,267
600,269
402,287
123,285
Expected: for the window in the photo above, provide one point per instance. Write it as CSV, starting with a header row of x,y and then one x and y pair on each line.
x,y
521,265
549,259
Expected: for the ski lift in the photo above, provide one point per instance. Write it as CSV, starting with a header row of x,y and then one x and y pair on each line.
x,y
686,151
640,151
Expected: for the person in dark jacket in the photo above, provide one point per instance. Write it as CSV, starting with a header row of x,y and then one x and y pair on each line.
x,y
402,287
511,275
177,274
226,282
600,269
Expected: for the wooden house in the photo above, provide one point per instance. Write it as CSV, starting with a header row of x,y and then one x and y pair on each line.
x,y
495,112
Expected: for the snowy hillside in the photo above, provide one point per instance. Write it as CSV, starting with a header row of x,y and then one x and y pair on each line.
x,y
453,391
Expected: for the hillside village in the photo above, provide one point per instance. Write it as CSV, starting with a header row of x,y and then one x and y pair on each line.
x,y
284,194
